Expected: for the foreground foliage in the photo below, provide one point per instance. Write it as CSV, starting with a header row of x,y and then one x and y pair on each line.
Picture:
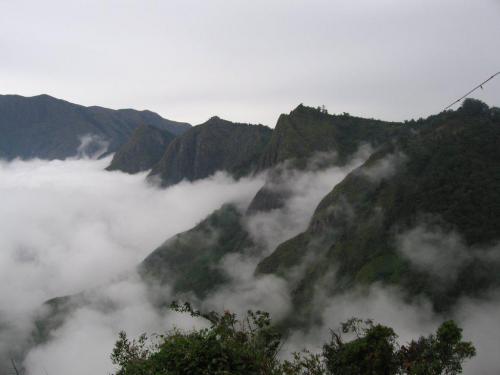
x,y
252,346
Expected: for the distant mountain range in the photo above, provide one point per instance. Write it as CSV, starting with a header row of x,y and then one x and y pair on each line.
x,y
49,128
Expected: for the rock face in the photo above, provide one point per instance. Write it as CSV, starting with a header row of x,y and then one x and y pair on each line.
x,y
49,128
144,149
216,145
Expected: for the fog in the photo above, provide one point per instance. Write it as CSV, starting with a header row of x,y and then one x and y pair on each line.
x,y
69,226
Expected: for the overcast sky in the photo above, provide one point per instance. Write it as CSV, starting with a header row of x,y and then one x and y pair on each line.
x,y
249,61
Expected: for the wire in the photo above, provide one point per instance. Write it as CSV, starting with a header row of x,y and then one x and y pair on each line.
x,y
471,91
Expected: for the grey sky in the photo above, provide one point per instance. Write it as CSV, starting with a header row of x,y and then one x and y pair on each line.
x,y
250,61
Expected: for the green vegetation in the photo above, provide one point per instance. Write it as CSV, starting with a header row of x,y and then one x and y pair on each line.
x,y
251,346
444,174
189,261
307,131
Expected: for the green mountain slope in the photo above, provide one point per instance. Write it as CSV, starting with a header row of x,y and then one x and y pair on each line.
x,y
143,150
49,128
307,131
189,260
444,177
427,195
309,138
216,145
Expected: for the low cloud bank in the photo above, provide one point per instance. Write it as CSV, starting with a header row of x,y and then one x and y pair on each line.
x,y
69,226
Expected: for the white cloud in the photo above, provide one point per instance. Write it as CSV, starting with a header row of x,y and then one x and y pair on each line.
x,y
82,345
303,190
246,291
439,253
69,226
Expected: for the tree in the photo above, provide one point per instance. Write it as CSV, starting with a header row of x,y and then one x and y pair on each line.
x,y
473,107
251,346
438,354
372,352
228,346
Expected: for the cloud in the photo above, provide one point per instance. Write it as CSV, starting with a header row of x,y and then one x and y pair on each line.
x,y
302,192
435,252
441,253
245,291
69,226
89,334
383,168
384,305
479,319
91,146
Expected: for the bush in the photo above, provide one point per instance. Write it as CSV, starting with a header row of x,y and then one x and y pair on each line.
x,y
251,347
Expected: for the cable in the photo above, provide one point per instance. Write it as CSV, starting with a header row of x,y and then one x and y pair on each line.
x,y
471,91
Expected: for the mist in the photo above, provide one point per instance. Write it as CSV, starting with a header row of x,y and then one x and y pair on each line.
x,y
69,226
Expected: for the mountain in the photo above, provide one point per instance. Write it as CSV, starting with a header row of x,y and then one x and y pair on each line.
x,y
49,128
216,145
421,213
433,184
310,139
188,261
144,149
307,131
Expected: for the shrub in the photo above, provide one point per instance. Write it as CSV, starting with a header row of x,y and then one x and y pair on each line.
x,y
251,347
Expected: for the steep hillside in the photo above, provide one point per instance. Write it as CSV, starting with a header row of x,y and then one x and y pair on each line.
x,y
49,128
143,150
216,145
421,214
198,253
430,197
309,138
189,260
307,131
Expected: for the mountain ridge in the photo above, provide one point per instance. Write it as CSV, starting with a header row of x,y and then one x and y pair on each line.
x,y
50,128
216,145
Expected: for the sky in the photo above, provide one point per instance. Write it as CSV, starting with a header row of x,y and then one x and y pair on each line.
x,y
249,61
